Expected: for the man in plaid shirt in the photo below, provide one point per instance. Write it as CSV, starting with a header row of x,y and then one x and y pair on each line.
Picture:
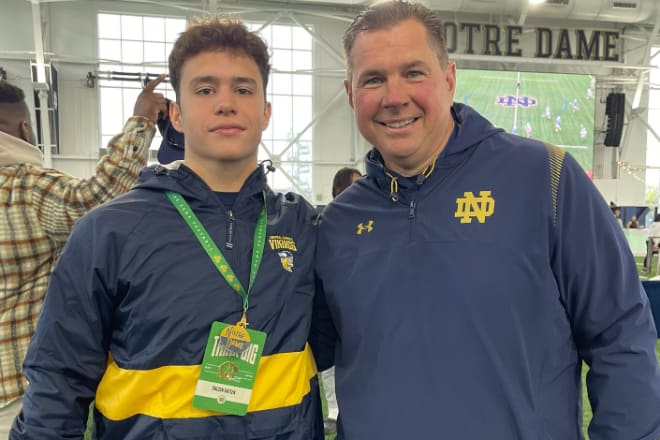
x,y
38,207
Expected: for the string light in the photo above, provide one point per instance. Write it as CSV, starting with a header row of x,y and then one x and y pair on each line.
x,y
633,170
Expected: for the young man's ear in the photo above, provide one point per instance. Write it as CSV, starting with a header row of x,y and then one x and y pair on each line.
x,y
175,116
267,114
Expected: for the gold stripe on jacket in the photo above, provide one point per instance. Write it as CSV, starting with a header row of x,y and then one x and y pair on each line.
x,y
283,379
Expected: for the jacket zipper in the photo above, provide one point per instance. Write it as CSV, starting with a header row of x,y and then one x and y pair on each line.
x,y
412,213
411,210
229,244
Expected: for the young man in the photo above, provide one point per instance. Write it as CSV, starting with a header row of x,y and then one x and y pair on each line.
x,y
39,207
458,317
183,308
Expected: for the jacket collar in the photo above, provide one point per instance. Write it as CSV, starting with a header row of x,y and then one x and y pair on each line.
x,y
176,176
14,151
461,140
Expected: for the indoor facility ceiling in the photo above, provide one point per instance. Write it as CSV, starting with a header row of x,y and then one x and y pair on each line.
x,y
621,11
642,12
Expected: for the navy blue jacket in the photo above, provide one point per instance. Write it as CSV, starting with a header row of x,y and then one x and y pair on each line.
x,y
464,303
130,305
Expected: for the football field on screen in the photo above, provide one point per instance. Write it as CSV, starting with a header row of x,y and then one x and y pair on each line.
x,y
519,102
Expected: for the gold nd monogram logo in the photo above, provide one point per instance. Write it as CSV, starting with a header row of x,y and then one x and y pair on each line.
x,y
362,227
478,207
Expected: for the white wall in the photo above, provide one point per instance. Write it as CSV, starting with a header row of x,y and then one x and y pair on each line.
x,y
70,43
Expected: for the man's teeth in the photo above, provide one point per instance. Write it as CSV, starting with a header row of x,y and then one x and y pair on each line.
x,y
400,124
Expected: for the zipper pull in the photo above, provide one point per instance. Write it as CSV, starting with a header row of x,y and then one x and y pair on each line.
x,y
229,244
411,209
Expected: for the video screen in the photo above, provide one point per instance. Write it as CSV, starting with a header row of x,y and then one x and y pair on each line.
x,y
551,107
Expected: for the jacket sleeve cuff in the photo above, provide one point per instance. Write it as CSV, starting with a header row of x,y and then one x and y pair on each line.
x,y
134,141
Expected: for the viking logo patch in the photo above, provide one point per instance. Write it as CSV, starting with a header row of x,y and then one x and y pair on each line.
x,y
286,258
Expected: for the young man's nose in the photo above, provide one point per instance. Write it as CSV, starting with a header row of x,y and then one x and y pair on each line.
x,y
225,101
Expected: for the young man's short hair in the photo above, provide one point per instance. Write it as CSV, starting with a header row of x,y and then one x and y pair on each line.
x,y
217,34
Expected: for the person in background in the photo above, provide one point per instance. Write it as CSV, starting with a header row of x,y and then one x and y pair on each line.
x,y
39,206
184,306
583,132
342,180
449,314
547,113
652,243
617,215
633,223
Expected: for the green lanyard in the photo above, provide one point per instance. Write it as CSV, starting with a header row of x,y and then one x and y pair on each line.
x,y
214,253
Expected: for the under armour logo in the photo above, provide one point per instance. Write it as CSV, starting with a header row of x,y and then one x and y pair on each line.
x,y
470,207
362,227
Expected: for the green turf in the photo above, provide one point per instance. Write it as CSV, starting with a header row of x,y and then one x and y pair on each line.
x,y
325,407
481,89
640,266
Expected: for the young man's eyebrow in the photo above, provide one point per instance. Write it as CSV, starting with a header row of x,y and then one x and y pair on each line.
x,y
213,80
206,79
244,80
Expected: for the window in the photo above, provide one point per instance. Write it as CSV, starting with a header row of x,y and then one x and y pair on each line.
x,y
131,44
652,142
137,44
288,138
